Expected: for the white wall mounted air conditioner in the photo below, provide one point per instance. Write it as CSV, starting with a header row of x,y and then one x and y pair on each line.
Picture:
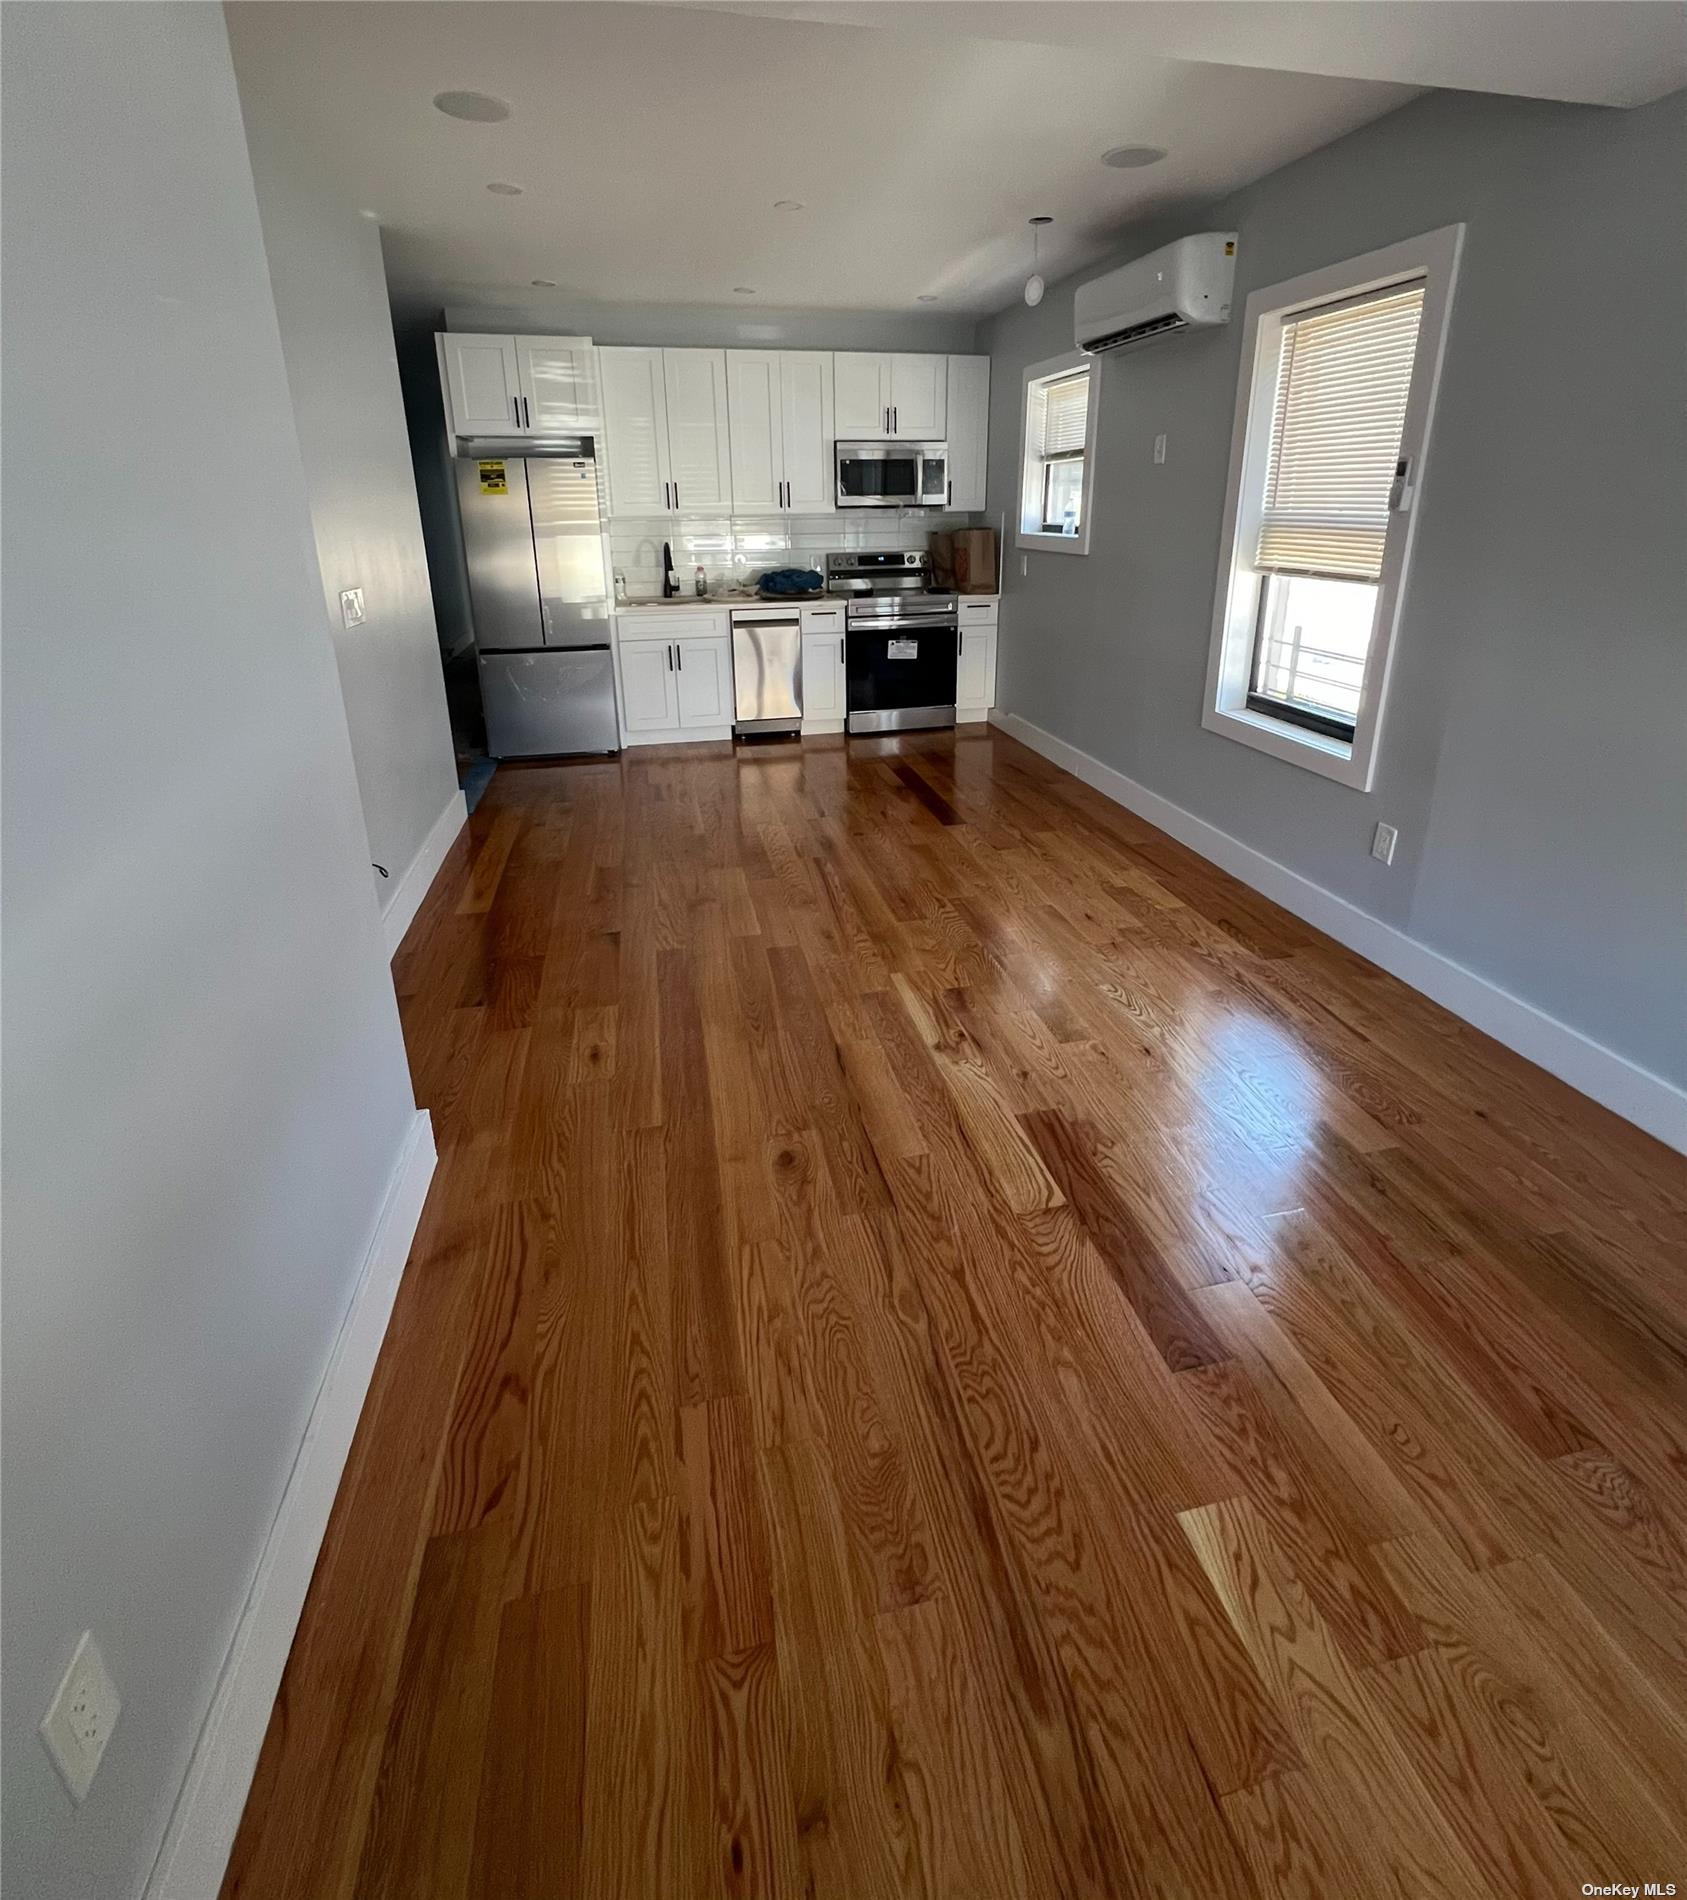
x,y
1185,286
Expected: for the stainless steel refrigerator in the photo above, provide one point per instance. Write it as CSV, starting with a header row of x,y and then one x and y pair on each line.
x,y
533,538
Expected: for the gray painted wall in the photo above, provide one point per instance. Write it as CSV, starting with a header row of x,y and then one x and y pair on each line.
x,y
205,1084
1534,754
717,326
336,333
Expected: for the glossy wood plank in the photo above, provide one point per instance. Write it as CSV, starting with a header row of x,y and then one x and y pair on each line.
x,y
957,1352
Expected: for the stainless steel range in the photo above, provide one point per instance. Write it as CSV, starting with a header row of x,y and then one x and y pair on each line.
x,y
901,641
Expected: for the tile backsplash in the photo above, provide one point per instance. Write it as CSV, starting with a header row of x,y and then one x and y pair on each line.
x,y
734,549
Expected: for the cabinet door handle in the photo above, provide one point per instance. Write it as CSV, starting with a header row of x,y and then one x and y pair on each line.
x,y
893,421
951,494
679,654
669,650
676,497
515,404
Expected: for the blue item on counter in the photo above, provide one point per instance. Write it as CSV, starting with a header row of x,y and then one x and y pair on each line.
x,y
788,583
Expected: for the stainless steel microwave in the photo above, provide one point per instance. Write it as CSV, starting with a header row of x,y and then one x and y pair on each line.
x,y
892,474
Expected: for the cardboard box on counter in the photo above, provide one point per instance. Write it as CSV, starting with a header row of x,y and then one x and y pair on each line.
x,y
975,560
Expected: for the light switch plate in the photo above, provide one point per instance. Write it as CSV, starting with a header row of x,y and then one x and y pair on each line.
x,y
1159,450
80,1717
351,606
1382,843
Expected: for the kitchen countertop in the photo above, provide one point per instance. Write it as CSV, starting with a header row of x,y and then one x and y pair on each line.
x,y
716,601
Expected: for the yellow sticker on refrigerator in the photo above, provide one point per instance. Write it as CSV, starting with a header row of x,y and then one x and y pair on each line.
x,y
494,479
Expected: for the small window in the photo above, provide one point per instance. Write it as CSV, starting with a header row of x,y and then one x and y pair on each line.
x,y
1332,425
1060,400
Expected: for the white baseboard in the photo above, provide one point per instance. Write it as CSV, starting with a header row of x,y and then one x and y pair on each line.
x,y
1649,1101
201,1833
417,878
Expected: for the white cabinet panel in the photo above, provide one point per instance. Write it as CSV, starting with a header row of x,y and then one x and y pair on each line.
x,y
753,390
805,410
861,393
975,683
635,424
649,686
919,397
968,429
699,453
483,379
558,385
822,677
704,675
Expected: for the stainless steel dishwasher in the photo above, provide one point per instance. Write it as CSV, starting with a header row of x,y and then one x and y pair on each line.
x,y
766,670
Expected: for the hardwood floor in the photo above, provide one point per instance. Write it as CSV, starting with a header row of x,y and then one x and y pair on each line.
x,y
956,1351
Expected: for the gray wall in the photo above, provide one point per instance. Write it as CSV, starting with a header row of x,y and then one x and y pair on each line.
x,y
336,333
205,1084
1534,754
717,326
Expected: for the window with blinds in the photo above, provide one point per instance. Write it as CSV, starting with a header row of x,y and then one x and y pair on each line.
x,y
1342,382
1335,401
1057,426
1066,403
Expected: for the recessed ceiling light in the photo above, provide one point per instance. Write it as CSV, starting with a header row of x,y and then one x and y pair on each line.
x,y
926,300
787,204
1131,158
544,283
742,290
503,190
374,217
481,107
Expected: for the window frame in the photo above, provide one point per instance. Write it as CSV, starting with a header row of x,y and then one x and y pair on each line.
x,y
1030,466
1432,257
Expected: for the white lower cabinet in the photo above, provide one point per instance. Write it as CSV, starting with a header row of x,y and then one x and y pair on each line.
x,y
704,676
975,683
649,686
676,674
822,682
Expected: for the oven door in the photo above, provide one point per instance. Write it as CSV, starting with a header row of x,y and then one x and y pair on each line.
x,y
878,474
899,671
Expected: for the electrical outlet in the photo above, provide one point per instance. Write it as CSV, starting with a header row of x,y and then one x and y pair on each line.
x,y
351,606
1159,450
1382,843
80,1717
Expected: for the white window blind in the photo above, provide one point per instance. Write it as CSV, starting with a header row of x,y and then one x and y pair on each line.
x,y
1342,381
1065,410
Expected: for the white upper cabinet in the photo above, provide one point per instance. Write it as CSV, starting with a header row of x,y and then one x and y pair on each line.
x,y
968,429
558,385
753,403
483,382
861,393
919,397
665,430
519,385
890,393
780,406
635,425
699,453
805,409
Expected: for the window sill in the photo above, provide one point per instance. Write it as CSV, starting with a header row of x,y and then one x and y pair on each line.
x,y
1294,745
1035,542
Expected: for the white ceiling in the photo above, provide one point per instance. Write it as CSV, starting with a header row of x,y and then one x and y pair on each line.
x,y
652,140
